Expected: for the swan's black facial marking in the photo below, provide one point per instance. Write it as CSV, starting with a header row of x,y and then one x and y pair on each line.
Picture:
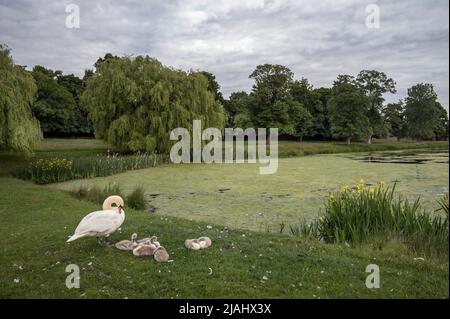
x,y
120,209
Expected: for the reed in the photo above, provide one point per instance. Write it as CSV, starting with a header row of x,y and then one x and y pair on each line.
x,y
45,171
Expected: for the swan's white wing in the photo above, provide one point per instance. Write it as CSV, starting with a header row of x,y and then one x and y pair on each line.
x,y
99,222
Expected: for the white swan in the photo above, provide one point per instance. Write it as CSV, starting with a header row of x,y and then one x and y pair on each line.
x,y
101,223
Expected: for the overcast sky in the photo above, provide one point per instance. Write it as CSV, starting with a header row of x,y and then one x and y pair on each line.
x,y
316,39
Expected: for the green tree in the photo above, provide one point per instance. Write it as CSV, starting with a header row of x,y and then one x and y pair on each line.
x,y
75,85
55,106
304,93
422,111
19,130
272,103
441,124
134,104
324,96
213,86
374,84
348,111
302,120
237,108
394,116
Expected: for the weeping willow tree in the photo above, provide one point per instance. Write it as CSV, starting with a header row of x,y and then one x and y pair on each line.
x,y
134,104
19,130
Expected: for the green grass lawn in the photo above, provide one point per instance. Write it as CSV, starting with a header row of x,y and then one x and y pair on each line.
x,y
239,197
36,221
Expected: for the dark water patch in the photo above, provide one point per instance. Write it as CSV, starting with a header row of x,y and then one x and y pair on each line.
x,y
151,208
404,157
393,161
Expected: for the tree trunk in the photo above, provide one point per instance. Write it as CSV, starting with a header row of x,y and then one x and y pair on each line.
x,y
268,138
398,138
369,139
348,140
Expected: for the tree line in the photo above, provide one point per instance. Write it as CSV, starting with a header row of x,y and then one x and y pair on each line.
x,y
134,103
353,108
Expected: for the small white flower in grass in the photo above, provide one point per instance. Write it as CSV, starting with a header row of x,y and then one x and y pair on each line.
x,y
209,226
90,263
243,235
16,280
265,278
419,258
322,271
210,271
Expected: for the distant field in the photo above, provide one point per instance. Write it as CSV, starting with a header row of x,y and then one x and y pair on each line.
x,y
70,144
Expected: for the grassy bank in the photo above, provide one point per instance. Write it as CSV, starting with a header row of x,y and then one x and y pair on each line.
x,y
296,149
36,221
10,162
77,148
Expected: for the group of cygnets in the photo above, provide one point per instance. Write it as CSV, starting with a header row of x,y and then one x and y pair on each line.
x,y
151,247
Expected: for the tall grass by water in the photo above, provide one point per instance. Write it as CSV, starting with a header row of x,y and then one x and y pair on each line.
x,y
135,199
45,171
366,214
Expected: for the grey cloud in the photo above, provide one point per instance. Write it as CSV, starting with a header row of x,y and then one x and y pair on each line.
x,y
317,39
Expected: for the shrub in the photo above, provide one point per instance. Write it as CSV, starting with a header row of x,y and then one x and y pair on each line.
x,y
362,214
44,171
135,200
50,171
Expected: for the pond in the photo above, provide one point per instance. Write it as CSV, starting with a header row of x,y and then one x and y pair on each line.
x,y
237,196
